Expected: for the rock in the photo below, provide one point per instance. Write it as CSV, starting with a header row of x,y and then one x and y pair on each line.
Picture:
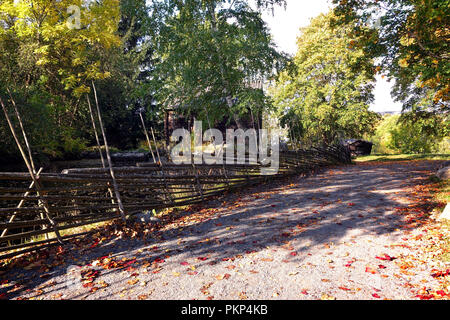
x,y
284,146
145,217
445,164
118,156
130,156
444,173
446,214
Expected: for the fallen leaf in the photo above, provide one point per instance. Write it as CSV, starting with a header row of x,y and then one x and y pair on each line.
x,y
242,296
327,297
371,270
385,257
93,289
344,288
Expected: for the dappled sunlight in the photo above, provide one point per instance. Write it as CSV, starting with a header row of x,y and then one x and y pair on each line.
x,y
249,237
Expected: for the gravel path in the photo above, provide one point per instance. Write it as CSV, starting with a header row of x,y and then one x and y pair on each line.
x,y
305,238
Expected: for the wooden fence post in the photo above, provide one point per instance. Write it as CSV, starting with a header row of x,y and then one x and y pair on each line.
x,y
102,159
37,185
108,156
147,137
20,205
161,165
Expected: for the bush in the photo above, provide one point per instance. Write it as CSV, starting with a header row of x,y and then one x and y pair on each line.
x,y
400,134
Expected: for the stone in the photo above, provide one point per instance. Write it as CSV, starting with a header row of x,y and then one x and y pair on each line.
x,y
444,173
444,164
284,146
446,214
118,156
130,156
145,217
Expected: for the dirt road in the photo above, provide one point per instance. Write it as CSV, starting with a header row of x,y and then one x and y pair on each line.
x,y
346,233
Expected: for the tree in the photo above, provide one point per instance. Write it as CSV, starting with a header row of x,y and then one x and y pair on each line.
x,y
209,52
54,52
414,45
48,63
127,91
402,134
325,93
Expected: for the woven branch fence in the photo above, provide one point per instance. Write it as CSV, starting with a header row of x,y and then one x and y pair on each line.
x,y
79,197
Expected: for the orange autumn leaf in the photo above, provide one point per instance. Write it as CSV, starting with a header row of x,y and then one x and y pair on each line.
x,y
371,270
344,288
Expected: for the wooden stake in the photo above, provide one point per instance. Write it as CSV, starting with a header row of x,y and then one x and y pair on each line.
x,y
199,187
162,168
23,131
20,205
147,137
108,156
37,185
27,144
94,126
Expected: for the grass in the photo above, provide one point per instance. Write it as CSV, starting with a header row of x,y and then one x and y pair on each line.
x,y
402,157
442,194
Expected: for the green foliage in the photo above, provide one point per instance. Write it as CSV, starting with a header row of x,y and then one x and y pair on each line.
x,y
49,67
47,64
414,44
50,52
209,54
400,134
403,157
325,93
208,58
420,136
382,136
408,138
135,51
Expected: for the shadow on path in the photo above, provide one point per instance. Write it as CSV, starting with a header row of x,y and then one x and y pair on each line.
x,y
295,215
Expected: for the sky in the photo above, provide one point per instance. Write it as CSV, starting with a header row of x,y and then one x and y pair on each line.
x,y
285,25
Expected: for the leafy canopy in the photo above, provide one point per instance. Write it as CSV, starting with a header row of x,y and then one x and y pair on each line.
x,y
325,93
209,54
53,51
414,38
48,64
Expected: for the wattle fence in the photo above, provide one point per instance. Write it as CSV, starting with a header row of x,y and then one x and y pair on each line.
x,y
32,218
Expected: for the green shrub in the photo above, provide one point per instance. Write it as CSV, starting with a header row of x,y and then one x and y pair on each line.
x,y
397,134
